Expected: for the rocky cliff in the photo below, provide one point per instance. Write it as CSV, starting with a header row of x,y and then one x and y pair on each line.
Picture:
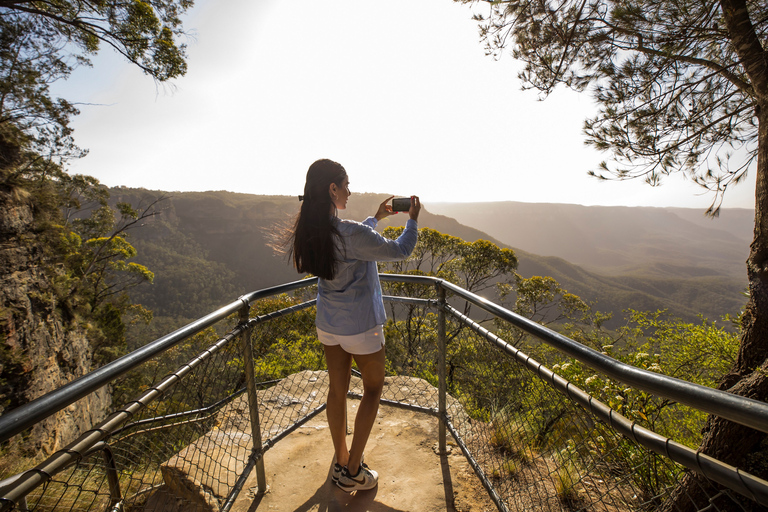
x,y
40,348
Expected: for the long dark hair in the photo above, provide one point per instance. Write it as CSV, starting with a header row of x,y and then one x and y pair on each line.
x,y
314,233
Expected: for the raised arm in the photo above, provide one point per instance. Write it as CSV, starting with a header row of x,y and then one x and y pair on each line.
x,y
369,245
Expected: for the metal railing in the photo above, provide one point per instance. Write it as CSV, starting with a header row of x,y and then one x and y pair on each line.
x,y
198,410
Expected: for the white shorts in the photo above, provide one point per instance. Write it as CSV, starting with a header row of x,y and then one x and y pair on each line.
x,y
368,342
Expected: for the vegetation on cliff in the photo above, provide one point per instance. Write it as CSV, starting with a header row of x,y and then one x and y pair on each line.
x,y
67,267
64,251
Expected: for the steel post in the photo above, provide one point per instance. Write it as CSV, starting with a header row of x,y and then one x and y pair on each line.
x,y
442,410
253,399
113,475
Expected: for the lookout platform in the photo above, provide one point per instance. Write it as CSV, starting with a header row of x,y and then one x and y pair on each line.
x,y
402,449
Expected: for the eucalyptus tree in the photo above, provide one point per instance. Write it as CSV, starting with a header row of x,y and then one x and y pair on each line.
x,y
43,41
681,86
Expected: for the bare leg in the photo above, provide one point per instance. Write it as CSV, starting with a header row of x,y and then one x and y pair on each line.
x,y
372,369
339,372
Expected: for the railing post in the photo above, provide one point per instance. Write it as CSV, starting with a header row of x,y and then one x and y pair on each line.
x,y
441,367
253,400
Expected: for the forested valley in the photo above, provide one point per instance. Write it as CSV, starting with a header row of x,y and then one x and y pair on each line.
x,y
143,263
207,248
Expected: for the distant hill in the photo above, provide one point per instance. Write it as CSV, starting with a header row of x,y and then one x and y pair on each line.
x,y
683,297
207,248
611,240
210,247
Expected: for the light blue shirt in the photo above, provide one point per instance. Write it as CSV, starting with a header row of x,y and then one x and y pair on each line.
x,y
351,302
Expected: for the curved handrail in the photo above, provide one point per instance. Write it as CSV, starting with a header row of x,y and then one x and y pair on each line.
x,y
746,411
27,415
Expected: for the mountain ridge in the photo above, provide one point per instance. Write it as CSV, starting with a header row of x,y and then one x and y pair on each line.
x,y
614,240
209,247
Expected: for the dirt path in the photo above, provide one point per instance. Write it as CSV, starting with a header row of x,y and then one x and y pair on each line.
x,y
402,448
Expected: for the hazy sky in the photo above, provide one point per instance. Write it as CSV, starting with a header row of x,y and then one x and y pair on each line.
x,y
399,92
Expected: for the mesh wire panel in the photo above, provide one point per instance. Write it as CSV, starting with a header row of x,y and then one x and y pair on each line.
x,y
539,450
189,440
152,447
174,450
183,435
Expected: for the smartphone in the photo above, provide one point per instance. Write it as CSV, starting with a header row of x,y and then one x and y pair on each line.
x,y
401,204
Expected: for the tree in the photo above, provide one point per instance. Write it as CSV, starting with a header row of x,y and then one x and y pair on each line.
x,y
94,244
681,87
88,257
544,301
41,42
80,265
475,266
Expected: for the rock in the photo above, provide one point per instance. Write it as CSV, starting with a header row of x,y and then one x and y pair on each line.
x,y
185,473
39,350
403,444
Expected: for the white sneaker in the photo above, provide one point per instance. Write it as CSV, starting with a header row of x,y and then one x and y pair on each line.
x,y
336,472
365,478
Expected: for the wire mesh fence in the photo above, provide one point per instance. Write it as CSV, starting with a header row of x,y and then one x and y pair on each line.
x,y
163,406
541,450
182,436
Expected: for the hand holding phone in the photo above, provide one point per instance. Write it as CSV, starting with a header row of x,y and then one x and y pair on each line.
x,y
401,204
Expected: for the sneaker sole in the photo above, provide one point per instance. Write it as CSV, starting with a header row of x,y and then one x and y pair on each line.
x,y
355,487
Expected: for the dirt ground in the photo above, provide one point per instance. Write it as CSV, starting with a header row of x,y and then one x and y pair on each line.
x,y
402,448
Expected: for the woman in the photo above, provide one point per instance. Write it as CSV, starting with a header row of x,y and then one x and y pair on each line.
x,y
350,309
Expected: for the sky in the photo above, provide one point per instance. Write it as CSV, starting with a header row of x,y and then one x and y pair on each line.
x,y
399,92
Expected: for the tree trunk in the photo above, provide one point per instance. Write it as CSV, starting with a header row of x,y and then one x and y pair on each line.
x,y
729,442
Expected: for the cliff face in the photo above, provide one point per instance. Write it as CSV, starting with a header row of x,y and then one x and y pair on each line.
x,y
39,350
